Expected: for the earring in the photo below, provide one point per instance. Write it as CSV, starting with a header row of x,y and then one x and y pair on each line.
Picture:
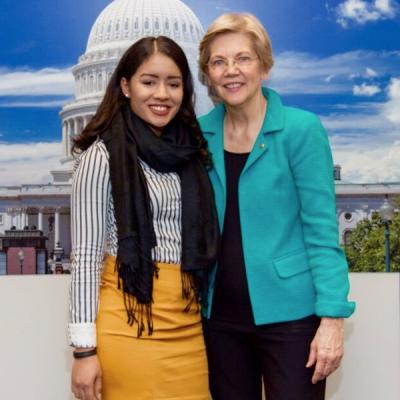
x,y
126,95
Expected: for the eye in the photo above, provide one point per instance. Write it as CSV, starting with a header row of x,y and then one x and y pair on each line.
x,y
243,59
148,83
175,85
219,62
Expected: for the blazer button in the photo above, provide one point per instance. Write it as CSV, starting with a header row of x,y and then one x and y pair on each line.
x,y
262,146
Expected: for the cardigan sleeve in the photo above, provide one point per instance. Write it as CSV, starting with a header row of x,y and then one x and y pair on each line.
x,y
312,167
90,199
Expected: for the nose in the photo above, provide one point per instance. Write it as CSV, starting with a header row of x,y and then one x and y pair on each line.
x,y
231,68
161,92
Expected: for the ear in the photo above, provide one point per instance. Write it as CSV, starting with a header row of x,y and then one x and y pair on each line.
x,y
124,84
265,74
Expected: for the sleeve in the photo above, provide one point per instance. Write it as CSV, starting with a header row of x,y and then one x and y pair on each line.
x,y
312,167
89,202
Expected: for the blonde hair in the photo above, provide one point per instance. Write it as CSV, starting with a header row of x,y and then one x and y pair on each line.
x,y
236,23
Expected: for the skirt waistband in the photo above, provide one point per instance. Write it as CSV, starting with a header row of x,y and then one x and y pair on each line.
x,y
111,260
171,272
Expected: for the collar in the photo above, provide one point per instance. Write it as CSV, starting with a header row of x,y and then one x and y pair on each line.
x,y
213,122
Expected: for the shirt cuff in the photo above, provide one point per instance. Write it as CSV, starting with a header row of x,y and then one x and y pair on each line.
x,y
335,309
82,334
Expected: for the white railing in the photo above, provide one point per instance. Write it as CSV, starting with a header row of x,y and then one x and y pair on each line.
x,y
35,359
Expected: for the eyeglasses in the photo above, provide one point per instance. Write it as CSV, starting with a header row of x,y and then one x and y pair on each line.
x,y
221,64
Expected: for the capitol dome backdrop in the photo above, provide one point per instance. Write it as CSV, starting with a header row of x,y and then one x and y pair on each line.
x,y
119,25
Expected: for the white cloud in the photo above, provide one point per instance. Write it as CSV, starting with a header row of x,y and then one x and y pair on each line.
x,y
365,145
222,9
329,78
365,138
370,73
222,6
303,73
365,90
370,123
386,7
28,82
362,11
34,104
28,162
356,124
366,164
391,110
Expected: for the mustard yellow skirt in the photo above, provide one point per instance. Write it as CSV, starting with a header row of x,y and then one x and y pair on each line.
x,y
170,364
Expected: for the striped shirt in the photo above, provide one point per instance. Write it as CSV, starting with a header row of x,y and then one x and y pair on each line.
x,y
94,232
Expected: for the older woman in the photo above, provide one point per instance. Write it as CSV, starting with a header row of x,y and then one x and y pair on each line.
x,y
279,293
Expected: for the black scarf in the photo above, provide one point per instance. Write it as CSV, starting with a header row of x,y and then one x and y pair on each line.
x,y
176,150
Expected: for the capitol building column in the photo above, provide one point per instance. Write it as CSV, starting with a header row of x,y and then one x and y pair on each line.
x,y
57,226
67,139
78,125
10,218
24,217
17,219
40,218
64,139
71,134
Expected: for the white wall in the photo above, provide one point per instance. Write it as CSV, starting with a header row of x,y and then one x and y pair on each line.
x,y
35,358
371,368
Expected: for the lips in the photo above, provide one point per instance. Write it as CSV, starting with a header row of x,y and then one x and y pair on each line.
x,y
233,86
159,109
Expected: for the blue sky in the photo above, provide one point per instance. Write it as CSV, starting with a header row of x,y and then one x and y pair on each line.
x,y
338,58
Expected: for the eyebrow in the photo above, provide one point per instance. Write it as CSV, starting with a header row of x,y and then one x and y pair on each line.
x,y
156,76
237,54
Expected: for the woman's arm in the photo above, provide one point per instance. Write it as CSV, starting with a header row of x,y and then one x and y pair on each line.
x,y
312,168
327,348
89,202
86,378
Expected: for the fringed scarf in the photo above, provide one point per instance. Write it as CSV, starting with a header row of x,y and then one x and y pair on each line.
x,y
176,150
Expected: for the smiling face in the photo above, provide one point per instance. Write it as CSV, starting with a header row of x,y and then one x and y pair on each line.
x,y
155,91
239,82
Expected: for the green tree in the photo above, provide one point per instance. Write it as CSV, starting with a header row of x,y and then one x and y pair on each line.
x,y
366,249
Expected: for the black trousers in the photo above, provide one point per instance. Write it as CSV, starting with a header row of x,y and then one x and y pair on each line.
x,y
241,357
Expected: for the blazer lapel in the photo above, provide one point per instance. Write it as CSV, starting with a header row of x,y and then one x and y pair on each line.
x,y
216,147
273,122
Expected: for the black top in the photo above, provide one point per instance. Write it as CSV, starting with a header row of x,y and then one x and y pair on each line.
x,y
231,301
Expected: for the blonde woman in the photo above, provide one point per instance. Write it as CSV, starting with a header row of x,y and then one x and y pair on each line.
x,y
278,294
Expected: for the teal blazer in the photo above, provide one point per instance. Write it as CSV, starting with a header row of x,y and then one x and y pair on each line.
x,y
294,264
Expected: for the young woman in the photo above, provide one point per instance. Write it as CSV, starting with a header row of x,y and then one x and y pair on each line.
x,y
279,294
144,233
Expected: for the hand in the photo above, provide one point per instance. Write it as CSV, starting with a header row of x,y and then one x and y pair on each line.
x,y
86,378
327,348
